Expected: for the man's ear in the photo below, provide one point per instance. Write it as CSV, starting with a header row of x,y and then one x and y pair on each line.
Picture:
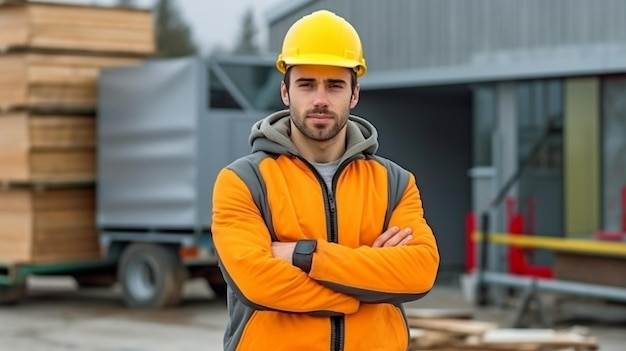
x,y
354,100
284,93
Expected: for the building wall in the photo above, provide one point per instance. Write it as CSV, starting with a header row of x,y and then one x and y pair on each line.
x,y
430,134
408,34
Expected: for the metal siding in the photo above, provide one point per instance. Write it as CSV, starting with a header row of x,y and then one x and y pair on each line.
x,y
409,34
147,172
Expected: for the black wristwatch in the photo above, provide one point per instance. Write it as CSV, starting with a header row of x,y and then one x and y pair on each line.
x,y
303,254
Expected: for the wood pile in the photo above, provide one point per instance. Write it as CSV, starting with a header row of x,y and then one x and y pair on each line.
x,y
53,82
50,59
50,147
450,331
76,28
47,225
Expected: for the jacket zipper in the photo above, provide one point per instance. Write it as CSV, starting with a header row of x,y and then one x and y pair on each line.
x,y
336,322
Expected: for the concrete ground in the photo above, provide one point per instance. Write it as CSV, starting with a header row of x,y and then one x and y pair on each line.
x,y
58,317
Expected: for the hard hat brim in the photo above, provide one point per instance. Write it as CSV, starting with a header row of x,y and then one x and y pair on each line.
x,y
322,60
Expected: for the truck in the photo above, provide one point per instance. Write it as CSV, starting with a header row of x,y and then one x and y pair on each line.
x,y
165,128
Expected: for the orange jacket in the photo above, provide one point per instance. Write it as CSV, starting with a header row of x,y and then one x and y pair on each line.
x,y
351,299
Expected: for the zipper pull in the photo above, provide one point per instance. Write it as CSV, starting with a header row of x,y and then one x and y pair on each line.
x,y
331,201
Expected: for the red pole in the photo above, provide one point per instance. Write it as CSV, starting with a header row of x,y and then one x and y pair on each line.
x,y
517,261
470,247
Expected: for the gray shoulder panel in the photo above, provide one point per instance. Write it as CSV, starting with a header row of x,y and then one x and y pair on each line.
x,y
397,180
247,169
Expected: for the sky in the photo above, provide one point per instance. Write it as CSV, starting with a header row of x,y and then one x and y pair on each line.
x,y
215,23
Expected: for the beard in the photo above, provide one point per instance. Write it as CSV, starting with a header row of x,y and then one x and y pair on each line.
x,y
319,131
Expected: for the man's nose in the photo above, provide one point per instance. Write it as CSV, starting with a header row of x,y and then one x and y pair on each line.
x,y
321,98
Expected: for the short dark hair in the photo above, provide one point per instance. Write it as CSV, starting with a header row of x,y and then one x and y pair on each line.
x,y
353,79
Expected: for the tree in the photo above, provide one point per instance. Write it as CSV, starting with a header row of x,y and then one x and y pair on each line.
x,y
246,43
173,35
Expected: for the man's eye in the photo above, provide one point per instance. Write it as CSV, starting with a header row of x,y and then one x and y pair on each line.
x,y
336,86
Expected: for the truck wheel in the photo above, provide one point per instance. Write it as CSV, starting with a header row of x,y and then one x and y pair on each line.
x,y
11,294
151,276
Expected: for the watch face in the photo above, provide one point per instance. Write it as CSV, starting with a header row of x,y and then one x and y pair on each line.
x,y
306,247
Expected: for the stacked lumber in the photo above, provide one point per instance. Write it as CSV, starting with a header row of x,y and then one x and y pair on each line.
x,y
52,147
74,27
50,59
447,332
49,225
51,82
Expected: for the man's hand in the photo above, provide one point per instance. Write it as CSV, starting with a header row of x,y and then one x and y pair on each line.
x,y
393,237
284,251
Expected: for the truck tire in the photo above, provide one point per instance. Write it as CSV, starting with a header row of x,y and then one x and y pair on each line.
x,y
151,276
12,294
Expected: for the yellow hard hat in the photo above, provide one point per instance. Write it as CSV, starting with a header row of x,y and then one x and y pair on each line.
x,y
322,38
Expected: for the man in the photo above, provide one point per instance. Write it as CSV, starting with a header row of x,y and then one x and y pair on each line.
x,y
319,239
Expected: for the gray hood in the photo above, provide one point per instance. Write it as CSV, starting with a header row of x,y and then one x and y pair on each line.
x,y
271,134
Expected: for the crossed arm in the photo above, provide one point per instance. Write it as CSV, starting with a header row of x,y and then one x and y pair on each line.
x,y
390,238
398,263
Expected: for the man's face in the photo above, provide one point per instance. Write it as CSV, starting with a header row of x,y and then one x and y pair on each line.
x,y
319,99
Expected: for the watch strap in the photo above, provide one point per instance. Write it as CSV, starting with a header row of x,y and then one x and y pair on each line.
x,y
303,254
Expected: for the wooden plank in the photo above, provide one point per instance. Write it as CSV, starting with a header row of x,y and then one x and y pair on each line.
x,y
14,133
82,33
12,83
47,147
15,201
53,82
17,227
52,246
13,26
61,235
64,257
91,45
12,98
63,132
14,165
584,268
68,220
142,23
64,199
53,94
95,14
48,226
72,27
543,337
454,326
66,164
55,75
5,2
13,67
16,252
14,146
428,339
98,61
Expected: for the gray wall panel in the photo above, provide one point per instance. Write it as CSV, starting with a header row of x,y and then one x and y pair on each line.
x,y
406,34
430,134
